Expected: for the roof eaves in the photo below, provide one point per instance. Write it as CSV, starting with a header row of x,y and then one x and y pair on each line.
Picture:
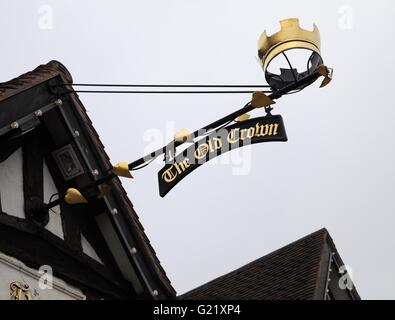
x,y
53,69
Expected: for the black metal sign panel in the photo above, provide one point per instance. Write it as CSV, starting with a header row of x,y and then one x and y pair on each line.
x,y
257,130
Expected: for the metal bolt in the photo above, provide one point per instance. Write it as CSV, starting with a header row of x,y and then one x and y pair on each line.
x,y
59,102
14,125
155,293
133,251
38,113
76,133
95,172
114,211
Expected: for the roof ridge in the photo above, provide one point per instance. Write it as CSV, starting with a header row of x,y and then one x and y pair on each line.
x,y
322,259
30,79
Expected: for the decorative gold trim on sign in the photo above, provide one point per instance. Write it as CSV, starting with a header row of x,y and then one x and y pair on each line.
x,y
260,100
327,73
73,196
183,136
122,170
243,117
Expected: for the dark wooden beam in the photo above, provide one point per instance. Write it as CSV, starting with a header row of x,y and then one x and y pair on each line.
x,y
78,218
33,178
35,247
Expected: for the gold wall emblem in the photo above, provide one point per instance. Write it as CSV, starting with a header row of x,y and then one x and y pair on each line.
x,y
20,291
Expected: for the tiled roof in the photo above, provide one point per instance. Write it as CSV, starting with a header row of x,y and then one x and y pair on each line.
x,y
49,71
293,272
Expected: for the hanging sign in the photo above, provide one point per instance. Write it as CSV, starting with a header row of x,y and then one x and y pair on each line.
x,y
263,129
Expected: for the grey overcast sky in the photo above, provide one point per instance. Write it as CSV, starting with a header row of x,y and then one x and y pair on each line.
x,y
337,170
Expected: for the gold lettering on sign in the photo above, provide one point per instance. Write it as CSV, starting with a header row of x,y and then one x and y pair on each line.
x,y
20,291
215,143
273,129
260,130
168,175
201,151
266,130
250,133
234,136
243,134
182,166
177,168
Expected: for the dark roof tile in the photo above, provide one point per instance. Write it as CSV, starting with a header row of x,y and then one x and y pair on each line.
x,y
289,273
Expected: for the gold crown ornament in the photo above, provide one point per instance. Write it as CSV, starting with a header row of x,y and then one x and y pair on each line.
x,y
290,36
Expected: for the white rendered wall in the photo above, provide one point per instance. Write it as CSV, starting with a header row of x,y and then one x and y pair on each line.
x,y
11,191
13,270
11,185
88,250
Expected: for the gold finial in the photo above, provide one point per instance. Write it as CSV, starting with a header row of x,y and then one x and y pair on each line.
x,y
259,100
73,196
327,73
243,117
121,169
183,136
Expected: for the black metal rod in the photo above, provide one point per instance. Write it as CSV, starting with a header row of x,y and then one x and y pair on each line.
x,y
55,203
248,107
165,85
97,182
164,92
